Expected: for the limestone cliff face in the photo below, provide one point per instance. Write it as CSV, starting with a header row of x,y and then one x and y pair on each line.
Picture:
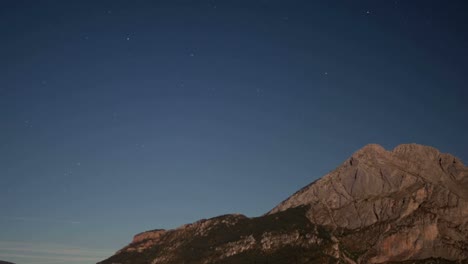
x,y
420,193
379,206
143,240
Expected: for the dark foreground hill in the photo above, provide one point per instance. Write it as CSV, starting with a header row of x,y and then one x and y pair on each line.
x,y
408,205
5,262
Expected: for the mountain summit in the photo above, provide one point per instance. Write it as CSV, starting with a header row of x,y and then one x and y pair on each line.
x,y
407,205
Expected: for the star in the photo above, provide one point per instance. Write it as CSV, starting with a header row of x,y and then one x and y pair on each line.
x,y
368,12
27,123
128,38
259,92
192,55
139,145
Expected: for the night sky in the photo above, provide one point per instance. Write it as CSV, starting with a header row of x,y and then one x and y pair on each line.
x,y
123,116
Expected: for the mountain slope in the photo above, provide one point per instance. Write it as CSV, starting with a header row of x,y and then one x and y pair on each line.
x,y
377,207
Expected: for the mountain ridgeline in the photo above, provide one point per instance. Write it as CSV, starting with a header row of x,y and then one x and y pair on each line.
x,y
408,205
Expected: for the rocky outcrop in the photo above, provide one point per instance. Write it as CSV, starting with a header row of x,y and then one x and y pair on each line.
x,y
148,235
379,206
143,241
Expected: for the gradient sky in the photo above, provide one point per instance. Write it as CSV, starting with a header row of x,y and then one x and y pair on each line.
x,y
123,116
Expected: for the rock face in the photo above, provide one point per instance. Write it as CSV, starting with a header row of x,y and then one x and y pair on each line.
x,y
379,206
418,193
143,241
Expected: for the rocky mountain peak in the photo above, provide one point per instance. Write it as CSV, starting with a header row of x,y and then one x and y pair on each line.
x,y
370,149
408,152
416,149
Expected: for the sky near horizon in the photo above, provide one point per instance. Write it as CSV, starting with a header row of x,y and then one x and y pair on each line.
x,y
123,116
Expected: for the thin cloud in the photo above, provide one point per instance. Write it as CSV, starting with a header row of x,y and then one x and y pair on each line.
x,y
39,253
52,258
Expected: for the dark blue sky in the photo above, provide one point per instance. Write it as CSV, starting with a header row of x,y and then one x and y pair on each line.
x,y
123,116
